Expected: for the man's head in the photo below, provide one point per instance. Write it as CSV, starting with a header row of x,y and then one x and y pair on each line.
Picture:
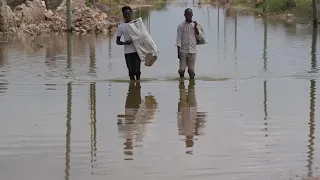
x,y
188,14
127,13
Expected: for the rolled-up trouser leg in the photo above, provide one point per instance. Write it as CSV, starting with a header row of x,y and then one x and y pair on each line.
x,y
191,61
182,64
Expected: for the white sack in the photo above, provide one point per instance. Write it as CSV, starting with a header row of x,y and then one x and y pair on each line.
x,y
146,48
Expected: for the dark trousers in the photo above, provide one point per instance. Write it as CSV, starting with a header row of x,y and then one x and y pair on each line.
x,y
133,64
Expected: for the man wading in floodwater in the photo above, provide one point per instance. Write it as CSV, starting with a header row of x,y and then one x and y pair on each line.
x,y
130,53
187,44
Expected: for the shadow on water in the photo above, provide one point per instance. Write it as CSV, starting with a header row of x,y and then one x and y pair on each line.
x,y
265,107
69,110
3,87
218,35
224,34
190,121
109,54
60,48
51,87
138,113
69,50
311,127
235,63
93,125
265,67
52,53
311,123
3,55
314,48
68,133
63,46
3,62
265,37
92,49
109,62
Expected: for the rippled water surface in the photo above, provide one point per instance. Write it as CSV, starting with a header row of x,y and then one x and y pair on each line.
x,y
69,112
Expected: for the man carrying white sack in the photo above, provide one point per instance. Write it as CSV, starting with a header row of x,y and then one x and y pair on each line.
x,y
133,60
187,33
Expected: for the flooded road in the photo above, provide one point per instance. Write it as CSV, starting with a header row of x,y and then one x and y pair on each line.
x,y
68,111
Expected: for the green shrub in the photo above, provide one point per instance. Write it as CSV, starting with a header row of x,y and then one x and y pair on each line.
x,y
277,6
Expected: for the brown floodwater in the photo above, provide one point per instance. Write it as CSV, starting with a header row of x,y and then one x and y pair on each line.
x,y
69,112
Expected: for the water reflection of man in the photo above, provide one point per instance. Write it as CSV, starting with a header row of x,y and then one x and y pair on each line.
x,y
138,113
126,128
190,121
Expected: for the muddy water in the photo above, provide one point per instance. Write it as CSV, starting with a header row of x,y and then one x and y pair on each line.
x,y
68,111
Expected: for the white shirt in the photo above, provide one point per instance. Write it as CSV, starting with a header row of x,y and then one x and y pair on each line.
x,y
186,37
123,31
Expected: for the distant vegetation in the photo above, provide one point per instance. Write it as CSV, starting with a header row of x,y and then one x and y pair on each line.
x,y
300,6
276,6
114,3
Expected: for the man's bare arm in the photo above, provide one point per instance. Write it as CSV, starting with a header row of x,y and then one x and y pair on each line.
x,y
119,42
